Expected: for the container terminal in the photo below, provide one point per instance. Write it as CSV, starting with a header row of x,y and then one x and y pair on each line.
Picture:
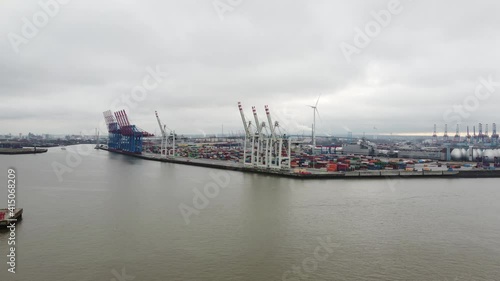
x,y
265,148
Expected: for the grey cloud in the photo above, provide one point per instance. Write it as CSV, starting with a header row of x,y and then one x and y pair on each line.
x,y
280,53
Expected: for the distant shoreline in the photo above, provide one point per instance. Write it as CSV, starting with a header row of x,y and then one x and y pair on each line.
x,y
12,151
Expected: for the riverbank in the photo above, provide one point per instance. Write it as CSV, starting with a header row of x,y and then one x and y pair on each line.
x,y
313,174
11,151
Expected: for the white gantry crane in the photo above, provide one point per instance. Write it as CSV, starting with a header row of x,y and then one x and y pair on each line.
x,y
165,139
163,146
267,149
249,134
260,142
279,148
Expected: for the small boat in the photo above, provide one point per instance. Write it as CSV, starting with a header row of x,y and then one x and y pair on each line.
x,y
6,219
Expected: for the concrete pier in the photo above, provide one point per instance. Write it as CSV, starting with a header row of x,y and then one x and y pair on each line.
x,y
22,150
375,174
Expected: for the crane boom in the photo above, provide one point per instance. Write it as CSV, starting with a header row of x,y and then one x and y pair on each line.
x,y
163,133
257,123
245,125
269,119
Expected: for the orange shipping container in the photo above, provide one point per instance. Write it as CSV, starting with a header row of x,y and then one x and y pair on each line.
x,y
332,168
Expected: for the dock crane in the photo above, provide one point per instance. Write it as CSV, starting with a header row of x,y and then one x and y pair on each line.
x,y
486,134
480,134
249,134
165,137
434,136
265,145
271,124
271,151
163,148
259,139
494,136
246,125
257,123
275,144
457,134
445,136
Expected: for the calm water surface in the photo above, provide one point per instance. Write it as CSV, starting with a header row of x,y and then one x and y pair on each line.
x,y
112,215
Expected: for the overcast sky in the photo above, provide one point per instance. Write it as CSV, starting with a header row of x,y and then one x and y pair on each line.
x,y
91,55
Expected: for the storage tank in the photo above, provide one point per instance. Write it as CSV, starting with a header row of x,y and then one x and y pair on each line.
x,y
465,156
456,154
490,153
477,153
497,153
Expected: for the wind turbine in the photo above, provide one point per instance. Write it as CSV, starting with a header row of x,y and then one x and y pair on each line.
x,y
315,110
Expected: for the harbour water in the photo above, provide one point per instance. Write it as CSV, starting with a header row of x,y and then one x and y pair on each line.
x,y
94,215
